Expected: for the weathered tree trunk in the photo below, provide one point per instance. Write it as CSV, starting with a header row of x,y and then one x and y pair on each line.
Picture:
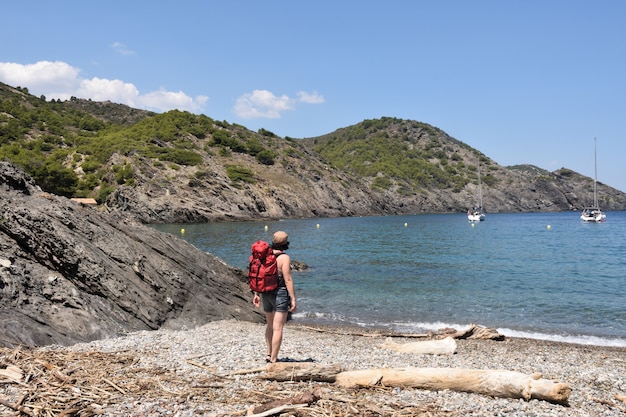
x,y
301,371
497,383
445,346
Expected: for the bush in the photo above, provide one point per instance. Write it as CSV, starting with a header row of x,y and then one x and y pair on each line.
x,y
202,174
53,178
265,157
253,146
238,173
381,183
104,193
267,133
90,164
88,183
123,174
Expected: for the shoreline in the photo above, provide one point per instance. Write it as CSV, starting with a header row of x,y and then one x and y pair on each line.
x,y
206,371
576,339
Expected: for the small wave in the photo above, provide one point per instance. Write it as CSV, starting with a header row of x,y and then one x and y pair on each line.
x,y
328,319
577,339
414,328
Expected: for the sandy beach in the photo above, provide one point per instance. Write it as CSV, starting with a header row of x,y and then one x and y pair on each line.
x,y
216,369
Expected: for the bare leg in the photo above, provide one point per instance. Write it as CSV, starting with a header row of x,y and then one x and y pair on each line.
x,y
269,331
277,334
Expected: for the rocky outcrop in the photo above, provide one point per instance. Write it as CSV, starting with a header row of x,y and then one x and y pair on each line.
x,y
303,187
171,197
70,273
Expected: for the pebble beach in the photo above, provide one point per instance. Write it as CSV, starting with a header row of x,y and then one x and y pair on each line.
x,y
215,370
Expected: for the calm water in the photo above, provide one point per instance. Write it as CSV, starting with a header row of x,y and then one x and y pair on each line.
x,y
546,276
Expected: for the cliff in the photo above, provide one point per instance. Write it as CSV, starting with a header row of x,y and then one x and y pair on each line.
x,y
70,273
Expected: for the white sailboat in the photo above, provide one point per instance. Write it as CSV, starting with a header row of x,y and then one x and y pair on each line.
x,y
593,214
476,214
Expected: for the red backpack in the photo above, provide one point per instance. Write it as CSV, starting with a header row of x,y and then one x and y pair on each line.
x,y
262,269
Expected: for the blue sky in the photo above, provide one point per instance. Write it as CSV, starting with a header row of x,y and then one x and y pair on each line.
x,y
522,81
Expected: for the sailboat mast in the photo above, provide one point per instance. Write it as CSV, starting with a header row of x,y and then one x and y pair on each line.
x,y
595,175
480,189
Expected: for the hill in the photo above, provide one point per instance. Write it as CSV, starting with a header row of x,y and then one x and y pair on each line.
x,y
422,167
180,167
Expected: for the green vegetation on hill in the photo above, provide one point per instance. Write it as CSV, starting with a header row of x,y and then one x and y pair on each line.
x,y
68,151
80,148
410,154
184,167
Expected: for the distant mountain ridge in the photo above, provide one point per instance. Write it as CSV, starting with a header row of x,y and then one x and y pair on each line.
x,y
180,167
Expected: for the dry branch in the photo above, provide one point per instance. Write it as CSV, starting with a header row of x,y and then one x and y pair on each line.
x,y
610,404
66,383
306,399
200,365
16,407
278,410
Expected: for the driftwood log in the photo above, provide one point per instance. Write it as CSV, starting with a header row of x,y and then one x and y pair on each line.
x,y
495,383
445,346
301,371
473,331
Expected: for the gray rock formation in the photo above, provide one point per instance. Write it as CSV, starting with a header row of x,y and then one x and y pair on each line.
x,y
71,273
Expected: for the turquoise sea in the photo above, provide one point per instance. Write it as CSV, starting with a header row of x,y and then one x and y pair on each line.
x,y
538,275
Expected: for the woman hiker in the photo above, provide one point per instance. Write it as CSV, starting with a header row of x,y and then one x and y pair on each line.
x,y
279,303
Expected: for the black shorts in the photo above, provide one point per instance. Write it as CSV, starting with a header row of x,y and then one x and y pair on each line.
x,y
276,301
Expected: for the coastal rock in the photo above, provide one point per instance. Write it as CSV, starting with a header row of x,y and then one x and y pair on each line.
x,y
292,192
71,273
169,196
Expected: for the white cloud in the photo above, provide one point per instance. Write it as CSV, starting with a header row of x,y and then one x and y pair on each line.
x,y
122,49
43,75
100,89
311,98
163,99
264,104
58,80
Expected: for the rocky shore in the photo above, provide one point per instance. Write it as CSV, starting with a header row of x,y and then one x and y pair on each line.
x,y
217,369
71,273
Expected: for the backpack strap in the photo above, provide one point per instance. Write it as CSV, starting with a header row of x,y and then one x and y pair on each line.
x,y
281,279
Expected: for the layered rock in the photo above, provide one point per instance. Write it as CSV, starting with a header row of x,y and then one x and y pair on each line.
x,y
70,272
